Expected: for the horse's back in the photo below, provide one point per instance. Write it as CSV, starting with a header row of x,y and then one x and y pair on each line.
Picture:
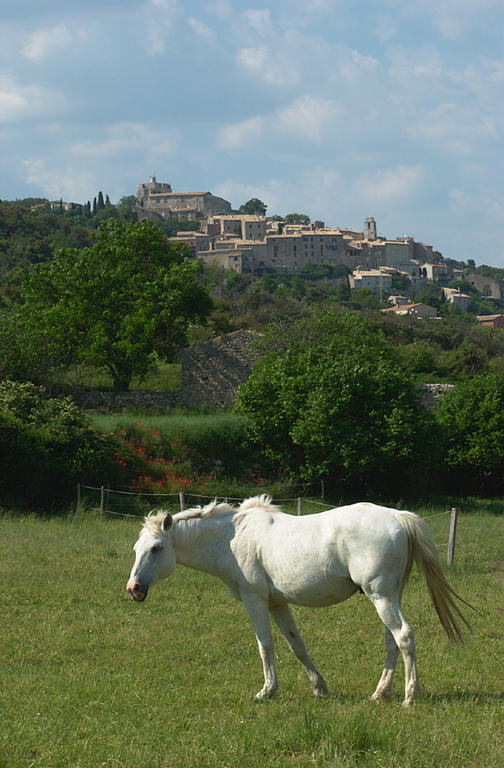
x,y
322,558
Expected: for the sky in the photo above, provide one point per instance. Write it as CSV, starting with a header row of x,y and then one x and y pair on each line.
x,y
339,109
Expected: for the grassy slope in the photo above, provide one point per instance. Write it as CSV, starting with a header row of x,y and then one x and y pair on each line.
x,y
91,679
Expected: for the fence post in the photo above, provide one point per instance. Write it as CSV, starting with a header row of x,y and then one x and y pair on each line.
x,y
453,532
299,505
78,496
322,489
181,500
102,499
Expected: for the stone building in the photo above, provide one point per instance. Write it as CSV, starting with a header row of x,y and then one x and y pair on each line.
x,y
159,198
485,285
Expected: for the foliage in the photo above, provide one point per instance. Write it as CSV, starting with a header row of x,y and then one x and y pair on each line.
x,y
153,464
472,421
174,453
253,206
337,406
297,218
117,304
46,446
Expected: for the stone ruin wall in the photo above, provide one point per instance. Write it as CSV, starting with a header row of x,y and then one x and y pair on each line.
x,y
211,374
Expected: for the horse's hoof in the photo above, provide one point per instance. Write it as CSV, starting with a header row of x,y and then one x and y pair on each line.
x,y
265,693
320,692
382,696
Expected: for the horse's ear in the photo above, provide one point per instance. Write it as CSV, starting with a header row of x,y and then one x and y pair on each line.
x,y
167,522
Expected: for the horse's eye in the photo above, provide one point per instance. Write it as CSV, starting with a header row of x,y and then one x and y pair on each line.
x,y
156,548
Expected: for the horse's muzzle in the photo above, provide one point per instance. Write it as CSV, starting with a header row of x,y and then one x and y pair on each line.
x,y
135,591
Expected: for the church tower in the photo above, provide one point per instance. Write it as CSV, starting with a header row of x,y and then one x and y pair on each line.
x,y
370,229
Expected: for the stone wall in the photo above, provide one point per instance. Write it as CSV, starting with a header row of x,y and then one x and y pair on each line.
x,y
211,374
213,371
432,394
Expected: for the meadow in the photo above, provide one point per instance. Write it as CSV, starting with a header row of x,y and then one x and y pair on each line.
x,y
92,679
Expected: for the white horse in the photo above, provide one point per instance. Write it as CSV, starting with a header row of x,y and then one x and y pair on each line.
x,y
268,559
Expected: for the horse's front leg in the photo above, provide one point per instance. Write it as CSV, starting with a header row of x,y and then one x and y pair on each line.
x,y
257,609
287,626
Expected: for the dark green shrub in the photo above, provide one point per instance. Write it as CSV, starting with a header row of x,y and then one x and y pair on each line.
x,y
46,446
472,420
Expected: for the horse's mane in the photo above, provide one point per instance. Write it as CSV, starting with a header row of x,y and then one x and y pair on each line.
x,y
154,521
263,501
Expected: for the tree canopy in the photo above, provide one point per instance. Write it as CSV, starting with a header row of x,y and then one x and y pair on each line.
x,y
253,206
472,421
337,406
122,301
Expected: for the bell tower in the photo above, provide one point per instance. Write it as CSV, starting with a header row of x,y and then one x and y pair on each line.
x,y
369,228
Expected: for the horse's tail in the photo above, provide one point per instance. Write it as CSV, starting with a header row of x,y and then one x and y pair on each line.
x,y
422,550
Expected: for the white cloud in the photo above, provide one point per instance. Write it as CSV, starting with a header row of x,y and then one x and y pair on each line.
x,y
124,137
46,42
69,183
274,193
170,5
259,20
388,186
455,128
223,9
309,117
240,134
200,29
452,18
274,68
159,23
26,102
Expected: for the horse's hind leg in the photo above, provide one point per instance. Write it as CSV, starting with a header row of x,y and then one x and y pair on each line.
x,y
384,687
287,626
403,635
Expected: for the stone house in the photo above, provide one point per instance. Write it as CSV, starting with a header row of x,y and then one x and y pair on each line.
x,y
159,198
418,309
485,285
493,321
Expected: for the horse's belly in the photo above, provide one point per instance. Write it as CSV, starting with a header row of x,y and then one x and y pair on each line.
x,y
316,595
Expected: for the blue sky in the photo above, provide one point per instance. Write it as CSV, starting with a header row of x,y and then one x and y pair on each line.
x,y
340,109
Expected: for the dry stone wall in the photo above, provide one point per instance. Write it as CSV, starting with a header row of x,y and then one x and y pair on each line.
x,y
211,374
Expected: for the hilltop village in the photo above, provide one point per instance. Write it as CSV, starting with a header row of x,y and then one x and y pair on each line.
x,y
253,243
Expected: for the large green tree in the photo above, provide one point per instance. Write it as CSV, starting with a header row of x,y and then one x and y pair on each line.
x,y
472,421
253,206
336,406
122,301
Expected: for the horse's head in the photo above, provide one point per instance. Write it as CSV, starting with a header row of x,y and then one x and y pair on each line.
x,y
154,555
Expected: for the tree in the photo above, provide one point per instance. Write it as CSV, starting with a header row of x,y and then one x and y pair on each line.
x,y
472,419
126,207
297,218
336,405
253,206
123,301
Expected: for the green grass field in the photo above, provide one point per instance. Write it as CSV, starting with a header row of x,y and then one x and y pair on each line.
x,y
92,679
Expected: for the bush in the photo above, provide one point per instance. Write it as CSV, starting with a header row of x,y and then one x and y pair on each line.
x,y
339,408
472,420
46,445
